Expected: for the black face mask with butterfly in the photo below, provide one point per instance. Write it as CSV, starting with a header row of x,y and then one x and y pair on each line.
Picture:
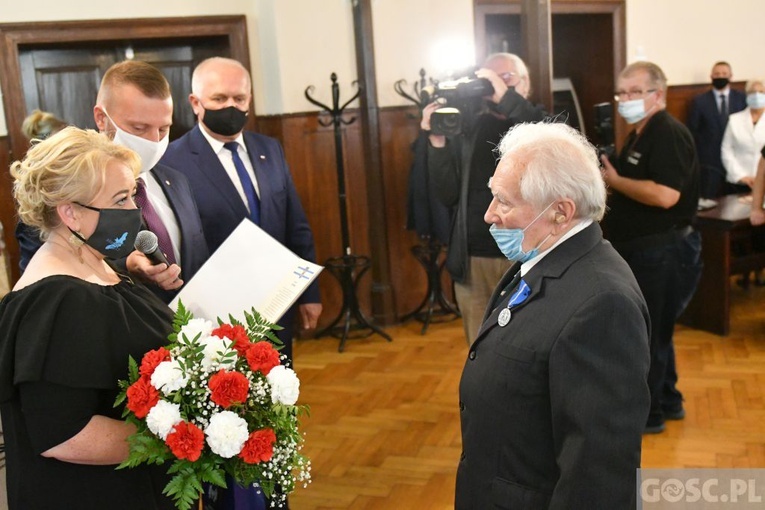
x,y
115,232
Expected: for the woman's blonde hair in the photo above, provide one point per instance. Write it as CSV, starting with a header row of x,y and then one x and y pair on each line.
x,y
70,166
40,125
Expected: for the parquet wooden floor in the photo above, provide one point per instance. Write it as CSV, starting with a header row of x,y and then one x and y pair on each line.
x,y
384,426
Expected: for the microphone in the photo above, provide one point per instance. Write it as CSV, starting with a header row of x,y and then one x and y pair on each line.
x,y
146,242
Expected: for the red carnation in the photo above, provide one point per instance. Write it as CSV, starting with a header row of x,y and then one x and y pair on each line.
x,y
153,358
237,334
228,388
141,397
262,356
186,441
259,446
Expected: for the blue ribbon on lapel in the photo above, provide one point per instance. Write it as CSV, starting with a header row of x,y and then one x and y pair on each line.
x,y
520,295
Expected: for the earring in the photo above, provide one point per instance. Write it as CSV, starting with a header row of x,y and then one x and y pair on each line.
x,y
76,242
75,239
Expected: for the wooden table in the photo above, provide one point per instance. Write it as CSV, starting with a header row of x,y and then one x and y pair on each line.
x,y
720,228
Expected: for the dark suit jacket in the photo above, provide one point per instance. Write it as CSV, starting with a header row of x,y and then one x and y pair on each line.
x,y
708,128
553,405
222,208
193,246
194,251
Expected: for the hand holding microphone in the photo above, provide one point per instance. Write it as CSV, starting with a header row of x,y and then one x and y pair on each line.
x,y
147,268
146,242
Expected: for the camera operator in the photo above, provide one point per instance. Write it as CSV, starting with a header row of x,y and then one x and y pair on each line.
x,y
460,167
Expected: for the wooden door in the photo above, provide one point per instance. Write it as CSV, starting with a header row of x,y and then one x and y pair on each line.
x,y
588,44
64,80
57,66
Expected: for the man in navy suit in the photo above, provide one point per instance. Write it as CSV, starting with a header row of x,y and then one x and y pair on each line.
x,y
236,174
134,107
707,119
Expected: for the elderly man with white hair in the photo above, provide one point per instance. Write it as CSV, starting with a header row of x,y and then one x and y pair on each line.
x,y
553,396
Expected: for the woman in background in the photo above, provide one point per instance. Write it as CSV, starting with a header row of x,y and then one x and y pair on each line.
x,y
40,125
68,327
743,139
742,142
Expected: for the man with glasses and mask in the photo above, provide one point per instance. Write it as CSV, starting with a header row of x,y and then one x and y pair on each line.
x,y
707,119
652,206
134,107
236,174
459,168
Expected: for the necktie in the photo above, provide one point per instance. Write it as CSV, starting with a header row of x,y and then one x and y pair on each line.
x,y
153,221
723,108
513,283
249,190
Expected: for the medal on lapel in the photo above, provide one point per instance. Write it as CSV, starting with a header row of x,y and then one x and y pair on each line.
x,y
519,296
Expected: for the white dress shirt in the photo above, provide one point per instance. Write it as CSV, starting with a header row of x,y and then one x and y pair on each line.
x,y
227,160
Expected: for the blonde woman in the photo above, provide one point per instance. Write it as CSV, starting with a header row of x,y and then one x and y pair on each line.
x,y
67,328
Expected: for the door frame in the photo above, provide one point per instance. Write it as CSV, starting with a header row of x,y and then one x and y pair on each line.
x,y
13,35
615,8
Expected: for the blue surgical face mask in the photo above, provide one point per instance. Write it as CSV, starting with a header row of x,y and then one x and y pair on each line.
x,y
756,100
510,240
632,111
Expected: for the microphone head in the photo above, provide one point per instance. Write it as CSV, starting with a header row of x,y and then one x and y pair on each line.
x,y
146,242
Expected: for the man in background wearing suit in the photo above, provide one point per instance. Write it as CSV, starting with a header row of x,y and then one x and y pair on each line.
x,y
134,108
707,118
236,174
553,396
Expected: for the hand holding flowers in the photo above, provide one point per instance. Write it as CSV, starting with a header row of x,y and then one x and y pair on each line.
x,y
214,402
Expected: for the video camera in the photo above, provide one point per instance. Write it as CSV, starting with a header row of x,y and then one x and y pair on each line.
x,y
604,127
456,95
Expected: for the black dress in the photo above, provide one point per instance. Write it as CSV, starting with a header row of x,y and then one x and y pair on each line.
x,y
64,343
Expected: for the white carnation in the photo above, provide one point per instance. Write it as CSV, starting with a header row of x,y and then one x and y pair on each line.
x,y
226,434
285,385
201,327
169,377
163,417
214,351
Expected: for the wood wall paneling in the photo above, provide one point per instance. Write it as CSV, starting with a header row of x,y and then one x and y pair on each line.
x,y
400,127
679,97
310,152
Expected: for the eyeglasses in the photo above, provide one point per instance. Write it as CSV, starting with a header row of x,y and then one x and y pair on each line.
x,y
621,95
508,77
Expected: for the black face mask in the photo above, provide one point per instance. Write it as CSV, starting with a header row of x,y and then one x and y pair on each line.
x,y
720,83
226,121
115,232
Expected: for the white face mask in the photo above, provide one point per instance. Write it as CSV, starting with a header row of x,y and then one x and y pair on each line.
x,y
149,152
756,100
633,111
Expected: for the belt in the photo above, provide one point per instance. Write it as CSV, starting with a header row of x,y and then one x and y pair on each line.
x,y
627,248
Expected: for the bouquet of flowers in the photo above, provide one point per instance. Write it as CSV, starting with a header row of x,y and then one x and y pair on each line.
x,y
217,401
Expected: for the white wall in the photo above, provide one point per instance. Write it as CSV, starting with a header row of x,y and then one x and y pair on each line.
x,y
685,37
297,43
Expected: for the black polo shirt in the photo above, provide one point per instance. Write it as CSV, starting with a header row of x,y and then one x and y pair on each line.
x,y
664,153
